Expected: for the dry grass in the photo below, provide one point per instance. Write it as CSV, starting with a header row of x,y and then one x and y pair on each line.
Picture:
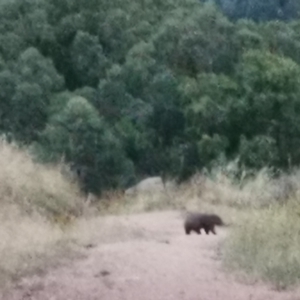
x,y
208,194
32,185
266,245
31,197
23,240
265,239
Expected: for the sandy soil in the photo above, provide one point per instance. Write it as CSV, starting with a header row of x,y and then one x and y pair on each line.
x,y
150,259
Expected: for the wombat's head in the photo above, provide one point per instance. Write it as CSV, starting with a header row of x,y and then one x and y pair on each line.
x,y
217,220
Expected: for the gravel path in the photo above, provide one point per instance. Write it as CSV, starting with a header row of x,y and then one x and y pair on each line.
x,y
152,259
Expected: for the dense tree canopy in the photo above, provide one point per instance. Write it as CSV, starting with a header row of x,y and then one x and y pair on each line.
x,y
127,89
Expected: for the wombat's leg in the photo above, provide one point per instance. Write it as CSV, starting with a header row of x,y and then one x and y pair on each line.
x,y
206,229
213,229
198,230
187,231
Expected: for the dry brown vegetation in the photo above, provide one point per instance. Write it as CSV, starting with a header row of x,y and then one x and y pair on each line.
x,y
264,239
37,201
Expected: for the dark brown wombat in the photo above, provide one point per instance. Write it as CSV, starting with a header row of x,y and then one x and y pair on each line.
x,y
197,221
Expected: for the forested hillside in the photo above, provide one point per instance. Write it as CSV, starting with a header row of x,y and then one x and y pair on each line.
x,y
125,89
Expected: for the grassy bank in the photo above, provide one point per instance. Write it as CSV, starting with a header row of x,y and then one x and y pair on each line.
x,y
35,202
264,240
266,244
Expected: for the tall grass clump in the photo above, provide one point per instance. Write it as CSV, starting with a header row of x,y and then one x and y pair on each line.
x,y
218,188
32,197
34,186
264,239
265,244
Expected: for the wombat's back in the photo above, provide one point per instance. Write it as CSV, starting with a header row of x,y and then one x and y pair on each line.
x,y
193,218
213,219
196,219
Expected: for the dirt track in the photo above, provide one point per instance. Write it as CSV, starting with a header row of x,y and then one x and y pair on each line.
x,y
152,259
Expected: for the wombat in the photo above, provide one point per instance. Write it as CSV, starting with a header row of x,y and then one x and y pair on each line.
x,y
197,221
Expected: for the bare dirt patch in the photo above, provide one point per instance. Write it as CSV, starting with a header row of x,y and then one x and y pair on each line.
x,y
145,256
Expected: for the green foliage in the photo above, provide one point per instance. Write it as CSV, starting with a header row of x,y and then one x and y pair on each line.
x,y
138,69
270,101
115,35
124,90
208,101
259,152
29,107
248,36
211,147
87,59
198,41
11,45
32,67
167,119
25,92
8,84
79,135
